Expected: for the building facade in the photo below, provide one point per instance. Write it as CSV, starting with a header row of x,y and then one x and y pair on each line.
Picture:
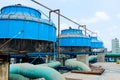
x,y
115,46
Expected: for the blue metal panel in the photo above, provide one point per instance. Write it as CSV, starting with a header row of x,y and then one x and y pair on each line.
x,y
4,31
32,30
14,29
51,33
74,41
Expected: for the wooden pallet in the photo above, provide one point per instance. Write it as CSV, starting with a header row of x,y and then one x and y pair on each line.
x,y
94,70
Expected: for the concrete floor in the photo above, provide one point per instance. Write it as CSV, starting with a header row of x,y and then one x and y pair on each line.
x,y
112,72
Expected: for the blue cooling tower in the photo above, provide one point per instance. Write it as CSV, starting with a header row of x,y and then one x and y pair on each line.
x,y
73,40
95,43
28,30
14,19
97,46
74,37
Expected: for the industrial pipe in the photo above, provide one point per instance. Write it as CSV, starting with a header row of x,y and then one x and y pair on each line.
x,y
77,65
34,72
17,77
52,64
92,58
112,55
57,11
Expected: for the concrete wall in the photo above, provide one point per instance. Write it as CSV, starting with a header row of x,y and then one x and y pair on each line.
x,y
83,58
100,57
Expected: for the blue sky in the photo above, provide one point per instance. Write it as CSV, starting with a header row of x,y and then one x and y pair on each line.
x,y
101,16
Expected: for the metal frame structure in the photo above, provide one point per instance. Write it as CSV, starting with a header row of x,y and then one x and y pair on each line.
x,y
58,12
63,16
33,55
60,15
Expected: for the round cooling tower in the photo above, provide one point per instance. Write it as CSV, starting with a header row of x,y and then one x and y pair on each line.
x,y
96,45
73,40
26,29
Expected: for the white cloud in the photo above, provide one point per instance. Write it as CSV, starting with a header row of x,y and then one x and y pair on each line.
x,y
102,15
97,17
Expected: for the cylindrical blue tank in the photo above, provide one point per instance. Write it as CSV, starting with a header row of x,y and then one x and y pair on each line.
x,y
25,26
73,37
95,43
15,18
73,40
